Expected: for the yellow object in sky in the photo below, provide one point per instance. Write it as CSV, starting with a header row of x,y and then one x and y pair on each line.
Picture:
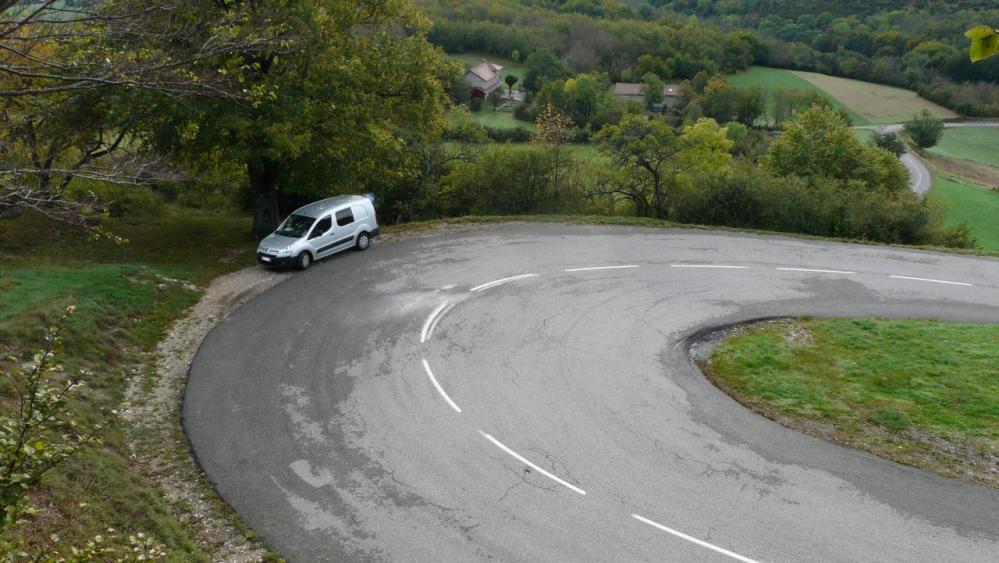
x,y
984,42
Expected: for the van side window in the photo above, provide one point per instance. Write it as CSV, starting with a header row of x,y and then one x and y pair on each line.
x,y
321,227
344,217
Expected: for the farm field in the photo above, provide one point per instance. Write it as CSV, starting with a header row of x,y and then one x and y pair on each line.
x,y
970,143
876,103
780,79
972,205
509,67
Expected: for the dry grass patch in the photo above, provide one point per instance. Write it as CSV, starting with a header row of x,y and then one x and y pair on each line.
x,y
875,102
974,172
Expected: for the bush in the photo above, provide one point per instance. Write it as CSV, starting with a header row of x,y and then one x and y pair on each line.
x,y
506,180
581,135
924,129
460,126
889,142
119,200
525,112
508,134
752,199
475,104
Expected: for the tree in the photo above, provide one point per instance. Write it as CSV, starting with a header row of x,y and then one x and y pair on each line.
x,y
924,129
77,83
586,98
651,157
553,130
653,89
889,141
510,80
501,181
650,63
543,66
750,104
719,100
335,114
817,143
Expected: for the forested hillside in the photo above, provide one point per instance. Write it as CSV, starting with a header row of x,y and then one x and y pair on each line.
x,y
610,37
915,44
919,46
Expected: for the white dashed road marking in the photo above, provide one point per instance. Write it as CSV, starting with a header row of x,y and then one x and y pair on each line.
x,y
440,389
523,460
433,325
692,539
425,333
501,282
600,268
708,266
932,280
816,271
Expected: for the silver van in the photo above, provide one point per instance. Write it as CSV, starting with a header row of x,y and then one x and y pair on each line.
x,y
320,229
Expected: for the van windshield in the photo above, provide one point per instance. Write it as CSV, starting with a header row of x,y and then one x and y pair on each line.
x,y
295,226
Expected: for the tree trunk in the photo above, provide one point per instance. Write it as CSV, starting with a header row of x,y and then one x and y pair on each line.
x,y
264,192
660,199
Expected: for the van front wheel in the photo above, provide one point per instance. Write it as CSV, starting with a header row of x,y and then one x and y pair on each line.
x,y
363,241
303,261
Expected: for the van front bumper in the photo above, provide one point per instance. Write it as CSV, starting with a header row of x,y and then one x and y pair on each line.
x,y
275,261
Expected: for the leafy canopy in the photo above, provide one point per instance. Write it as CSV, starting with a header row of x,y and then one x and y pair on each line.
x,y
339,111
817,143
652,158
925,129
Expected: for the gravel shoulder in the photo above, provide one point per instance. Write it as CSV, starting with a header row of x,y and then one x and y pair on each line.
x,y
154,420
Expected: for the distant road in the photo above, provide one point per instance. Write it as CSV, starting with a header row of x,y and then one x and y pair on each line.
x,y
920,178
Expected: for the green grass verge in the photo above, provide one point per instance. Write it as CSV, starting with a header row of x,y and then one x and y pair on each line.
x,y
773,79
866,136
582,152
924,393
488,117
127,296
975,206
980,144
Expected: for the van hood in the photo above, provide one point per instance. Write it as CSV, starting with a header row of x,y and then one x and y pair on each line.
x,y
275,242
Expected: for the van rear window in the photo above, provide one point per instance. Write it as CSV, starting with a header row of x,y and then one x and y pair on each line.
x,y
344,217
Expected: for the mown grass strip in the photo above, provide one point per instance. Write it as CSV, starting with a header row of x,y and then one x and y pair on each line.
x,y
975,206
923,393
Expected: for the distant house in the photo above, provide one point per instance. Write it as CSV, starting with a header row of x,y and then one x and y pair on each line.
x,y
630,92
635,92
484,78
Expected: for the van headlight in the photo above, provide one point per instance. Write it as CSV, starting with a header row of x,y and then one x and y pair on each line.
x,y
283,251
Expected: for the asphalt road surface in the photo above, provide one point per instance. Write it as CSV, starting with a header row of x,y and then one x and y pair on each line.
x,y
525,392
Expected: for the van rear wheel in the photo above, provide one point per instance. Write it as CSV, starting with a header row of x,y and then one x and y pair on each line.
x,y
303,261
363,241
